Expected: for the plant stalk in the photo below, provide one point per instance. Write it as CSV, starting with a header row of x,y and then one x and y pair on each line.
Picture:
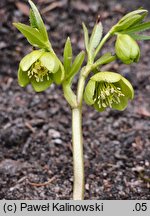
x,y
78,161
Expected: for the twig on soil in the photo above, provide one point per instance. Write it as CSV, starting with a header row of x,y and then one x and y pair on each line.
x,y
52,6
42,184
29,126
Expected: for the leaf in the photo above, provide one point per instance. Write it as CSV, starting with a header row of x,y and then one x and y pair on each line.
x,y
95,37
139,28
129,15
23,78
41,86
130,20
86,37
39,21
127,23
105,59
68,55
77,64
32,35
140,37
32,19
107,76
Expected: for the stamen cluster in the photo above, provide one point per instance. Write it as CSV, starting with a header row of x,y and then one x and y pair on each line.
x,y
38,71
106,94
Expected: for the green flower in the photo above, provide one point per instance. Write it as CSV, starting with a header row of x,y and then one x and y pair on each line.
x,y
38,68
127,49
108,89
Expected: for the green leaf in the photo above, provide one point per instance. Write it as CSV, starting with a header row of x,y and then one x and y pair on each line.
x,y
39,21
95,37
140,37
105,59
50,62
139,28
41,86
89,92
77,64
86,37
33,35
32,19
131,14
23,78
127,23
68,55
107,76
130,20
29,59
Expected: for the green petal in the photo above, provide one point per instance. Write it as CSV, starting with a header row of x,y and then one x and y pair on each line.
x,y
23,78
59,76
122,105
89,92
29,59
99,109
126,88
110,77
50,62
41,86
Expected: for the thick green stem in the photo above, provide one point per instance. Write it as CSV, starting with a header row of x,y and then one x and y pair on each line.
x,y
78,159
78,162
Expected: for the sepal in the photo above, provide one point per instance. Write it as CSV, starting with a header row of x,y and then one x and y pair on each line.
x,y
95,37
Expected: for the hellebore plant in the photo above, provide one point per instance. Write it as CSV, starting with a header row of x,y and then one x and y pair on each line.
x,y
104,89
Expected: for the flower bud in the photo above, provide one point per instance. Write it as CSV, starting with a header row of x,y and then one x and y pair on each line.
x,y
127,49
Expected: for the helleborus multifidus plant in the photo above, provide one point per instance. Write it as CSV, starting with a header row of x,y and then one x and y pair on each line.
x,y
104,89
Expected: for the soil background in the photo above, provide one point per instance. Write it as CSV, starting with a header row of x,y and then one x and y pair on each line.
x,y
35,128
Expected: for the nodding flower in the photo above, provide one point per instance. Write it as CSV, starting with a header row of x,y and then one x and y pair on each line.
x,y
108,89
37,68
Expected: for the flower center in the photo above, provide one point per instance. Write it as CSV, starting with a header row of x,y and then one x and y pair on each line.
x,y
38,71
106,94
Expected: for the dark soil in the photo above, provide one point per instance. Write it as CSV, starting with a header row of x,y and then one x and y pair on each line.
x,y
35,129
